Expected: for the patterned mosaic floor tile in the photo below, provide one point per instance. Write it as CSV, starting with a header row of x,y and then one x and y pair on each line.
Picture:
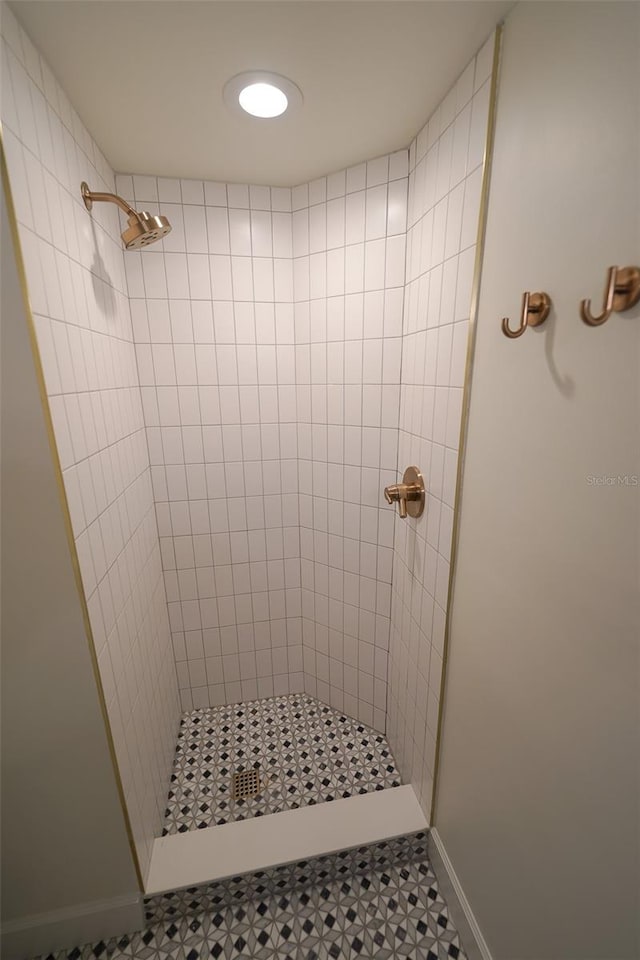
x,y
381,901
305,751
340,868
387,911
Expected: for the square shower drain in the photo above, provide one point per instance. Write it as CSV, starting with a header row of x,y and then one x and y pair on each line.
x,y
245,784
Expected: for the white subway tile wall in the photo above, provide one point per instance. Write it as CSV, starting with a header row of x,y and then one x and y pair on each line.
x,y
213,319
259,335
445,178
349,235
77,288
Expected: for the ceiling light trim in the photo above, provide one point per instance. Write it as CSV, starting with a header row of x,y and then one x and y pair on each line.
x,y
234,87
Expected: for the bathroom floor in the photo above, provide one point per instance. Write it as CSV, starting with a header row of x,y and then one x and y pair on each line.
x,y
374,902
302,751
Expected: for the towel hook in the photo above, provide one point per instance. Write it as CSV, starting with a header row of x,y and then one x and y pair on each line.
x,y
621,292
535,310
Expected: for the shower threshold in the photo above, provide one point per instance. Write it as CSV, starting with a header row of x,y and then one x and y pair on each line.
x,y
255,846
268,756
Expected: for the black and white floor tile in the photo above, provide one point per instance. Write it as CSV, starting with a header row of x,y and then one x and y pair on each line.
x,y
307,753
391,909
287,878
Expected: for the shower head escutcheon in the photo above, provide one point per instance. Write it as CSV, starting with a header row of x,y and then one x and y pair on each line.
x,y
144,228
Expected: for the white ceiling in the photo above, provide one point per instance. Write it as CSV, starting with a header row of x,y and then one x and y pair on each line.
x,y
147,77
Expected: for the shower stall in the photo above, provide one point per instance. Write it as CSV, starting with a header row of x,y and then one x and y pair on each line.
x,y
281,339
232,397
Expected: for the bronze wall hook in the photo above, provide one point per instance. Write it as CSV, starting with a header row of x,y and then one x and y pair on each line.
x,y
622,291
535,310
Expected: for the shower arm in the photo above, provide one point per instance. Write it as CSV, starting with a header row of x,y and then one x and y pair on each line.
x,y
89,197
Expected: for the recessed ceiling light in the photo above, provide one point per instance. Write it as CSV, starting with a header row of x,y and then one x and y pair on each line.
x,y
262,94
263,100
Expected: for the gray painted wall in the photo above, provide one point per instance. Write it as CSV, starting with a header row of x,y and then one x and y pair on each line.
x,y
538,799
64,842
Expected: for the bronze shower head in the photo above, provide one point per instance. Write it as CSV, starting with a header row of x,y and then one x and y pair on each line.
x,y
143,229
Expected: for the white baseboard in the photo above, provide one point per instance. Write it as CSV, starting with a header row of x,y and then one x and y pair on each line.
x,y
73,926
459,907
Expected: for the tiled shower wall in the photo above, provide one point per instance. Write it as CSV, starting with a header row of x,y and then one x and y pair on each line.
x,y
349,234
77,288
445,179
263,421
213,320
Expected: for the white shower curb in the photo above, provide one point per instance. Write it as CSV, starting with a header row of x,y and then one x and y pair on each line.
x,y
217,853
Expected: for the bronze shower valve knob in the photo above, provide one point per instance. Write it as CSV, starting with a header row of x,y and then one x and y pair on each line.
x,y
409,495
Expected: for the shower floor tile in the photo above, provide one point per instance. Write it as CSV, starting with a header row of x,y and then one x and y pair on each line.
x,y
307,753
